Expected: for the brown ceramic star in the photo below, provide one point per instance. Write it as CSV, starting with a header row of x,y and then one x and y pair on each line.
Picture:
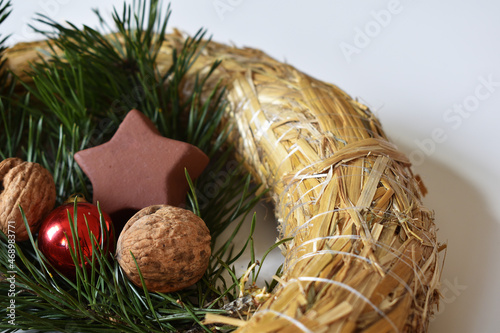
x,y
138,167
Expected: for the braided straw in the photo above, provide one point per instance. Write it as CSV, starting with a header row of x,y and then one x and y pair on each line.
x,y
364,254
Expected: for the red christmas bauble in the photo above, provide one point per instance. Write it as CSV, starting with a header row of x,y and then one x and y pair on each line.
x,y
55,245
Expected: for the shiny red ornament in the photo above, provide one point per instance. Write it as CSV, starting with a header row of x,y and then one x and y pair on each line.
x,y
55,245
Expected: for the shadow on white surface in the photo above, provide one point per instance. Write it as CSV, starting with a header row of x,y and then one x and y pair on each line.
x,y
265,235
469,283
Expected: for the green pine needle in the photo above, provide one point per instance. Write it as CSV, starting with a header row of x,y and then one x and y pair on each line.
x,y
77,100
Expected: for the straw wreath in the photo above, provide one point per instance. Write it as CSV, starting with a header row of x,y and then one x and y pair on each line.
x,y
363,254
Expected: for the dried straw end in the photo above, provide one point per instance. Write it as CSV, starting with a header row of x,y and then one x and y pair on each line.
x,y
364,254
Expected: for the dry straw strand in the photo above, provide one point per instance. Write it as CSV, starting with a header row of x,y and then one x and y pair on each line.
x,y
364,254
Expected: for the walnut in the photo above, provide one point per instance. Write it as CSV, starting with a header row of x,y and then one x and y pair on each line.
x,y
171,246
30,186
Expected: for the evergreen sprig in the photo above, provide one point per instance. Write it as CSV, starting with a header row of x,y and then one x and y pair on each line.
x,y
77,100
12,124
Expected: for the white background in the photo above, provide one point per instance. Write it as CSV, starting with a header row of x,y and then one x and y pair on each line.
x,y
416,64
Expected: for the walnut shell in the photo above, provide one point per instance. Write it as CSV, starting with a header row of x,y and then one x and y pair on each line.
x,y
171,246
30,186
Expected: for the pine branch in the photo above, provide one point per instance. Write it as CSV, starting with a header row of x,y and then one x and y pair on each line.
x,y
11,111
77,100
